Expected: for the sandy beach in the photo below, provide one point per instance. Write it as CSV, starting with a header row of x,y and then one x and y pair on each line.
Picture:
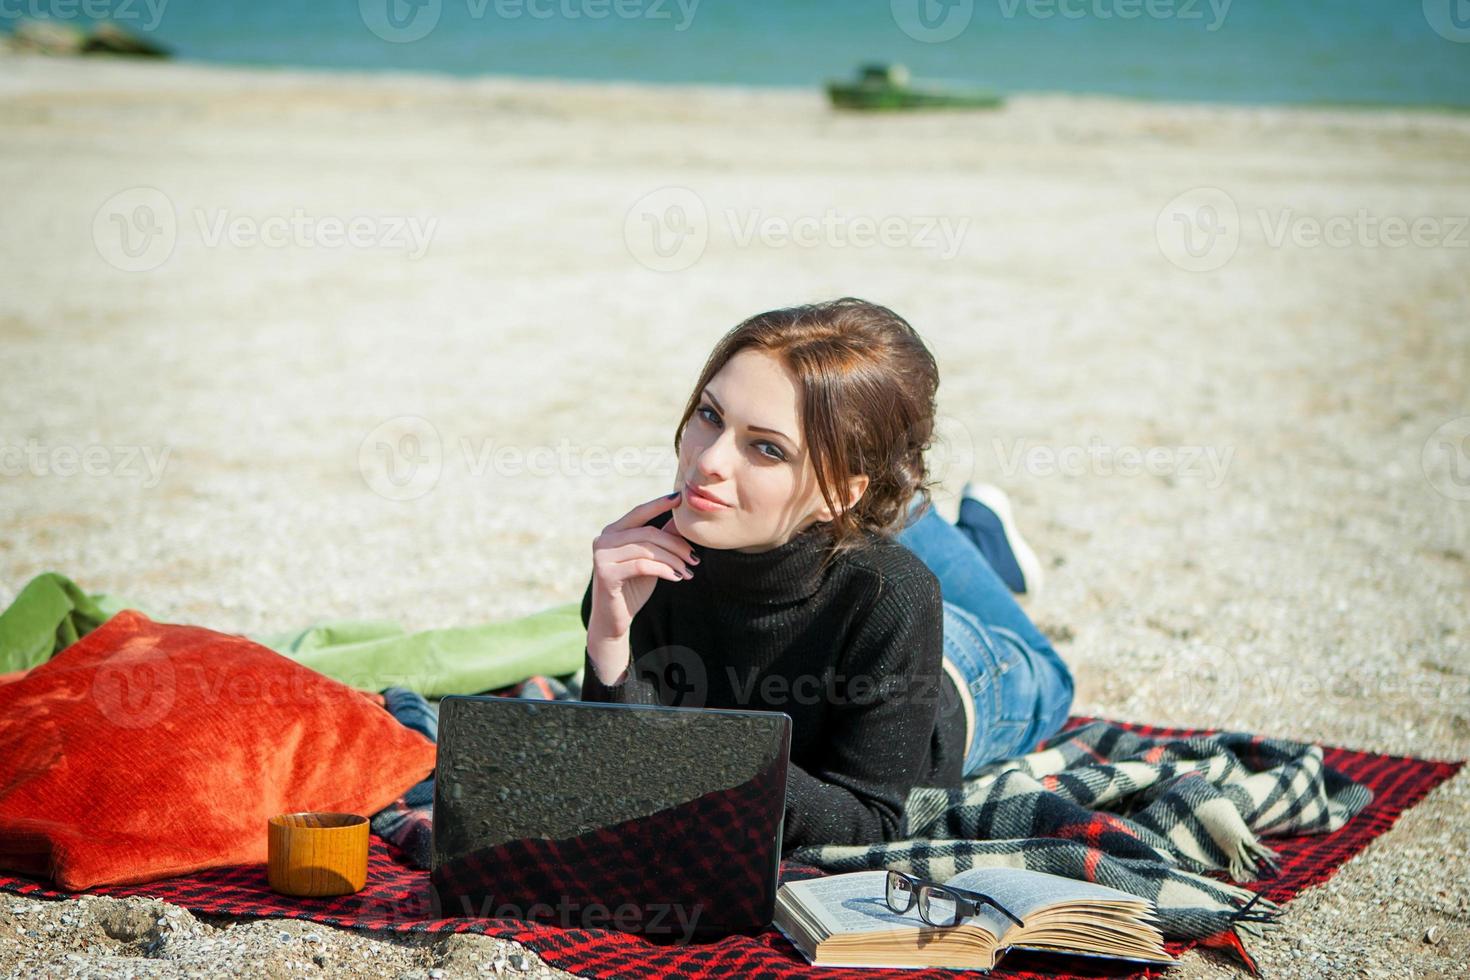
x,y
283,346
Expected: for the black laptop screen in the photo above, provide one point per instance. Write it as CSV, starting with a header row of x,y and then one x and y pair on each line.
x,y
661,821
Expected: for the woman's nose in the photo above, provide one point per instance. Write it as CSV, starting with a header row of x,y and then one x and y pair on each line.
x,y
714,461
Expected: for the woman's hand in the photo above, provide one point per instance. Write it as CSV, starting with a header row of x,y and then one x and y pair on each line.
x,y
627,559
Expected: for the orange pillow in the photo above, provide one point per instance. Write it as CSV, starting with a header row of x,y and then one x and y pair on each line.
x,y
147,749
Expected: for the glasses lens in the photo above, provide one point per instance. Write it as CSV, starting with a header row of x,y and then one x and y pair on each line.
x,y
938,907
900,892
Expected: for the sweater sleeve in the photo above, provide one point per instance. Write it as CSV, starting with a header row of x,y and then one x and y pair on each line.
x,y
880,724
632,690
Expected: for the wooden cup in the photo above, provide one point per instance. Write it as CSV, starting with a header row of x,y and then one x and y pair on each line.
x,y
315,854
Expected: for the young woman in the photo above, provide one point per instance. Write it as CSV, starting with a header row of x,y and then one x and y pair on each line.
x,y
800,566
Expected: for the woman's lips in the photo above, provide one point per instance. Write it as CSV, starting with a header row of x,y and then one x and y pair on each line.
x,y
702,501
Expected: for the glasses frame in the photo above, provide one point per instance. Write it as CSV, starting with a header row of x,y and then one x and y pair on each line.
x,y
921,890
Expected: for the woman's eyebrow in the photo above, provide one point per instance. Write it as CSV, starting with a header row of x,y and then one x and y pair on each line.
x,y
754,428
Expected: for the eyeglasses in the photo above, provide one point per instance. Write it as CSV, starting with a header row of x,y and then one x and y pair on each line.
x,y
939,905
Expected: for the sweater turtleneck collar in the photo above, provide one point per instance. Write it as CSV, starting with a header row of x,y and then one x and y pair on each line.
x,y
786,573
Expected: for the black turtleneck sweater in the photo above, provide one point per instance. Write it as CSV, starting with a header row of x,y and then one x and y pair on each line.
x,y
853,655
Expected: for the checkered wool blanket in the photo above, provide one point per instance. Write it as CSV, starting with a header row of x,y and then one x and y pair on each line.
x,y
1145,815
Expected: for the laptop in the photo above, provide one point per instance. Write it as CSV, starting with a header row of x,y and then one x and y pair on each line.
x,y
661,821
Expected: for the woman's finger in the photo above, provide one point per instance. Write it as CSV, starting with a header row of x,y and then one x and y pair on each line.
x,y
670,540
635,551
645,512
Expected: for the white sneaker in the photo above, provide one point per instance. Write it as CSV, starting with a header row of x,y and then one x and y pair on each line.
x,y
1003,546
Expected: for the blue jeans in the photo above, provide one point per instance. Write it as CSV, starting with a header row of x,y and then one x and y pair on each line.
x,y
1020,690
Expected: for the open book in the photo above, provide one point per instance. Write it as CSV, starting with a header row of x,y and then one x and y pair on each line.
x,y
843,920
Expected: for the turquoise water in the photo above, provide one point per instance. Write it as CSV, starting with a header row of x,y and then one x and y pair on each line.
x,y
1410,52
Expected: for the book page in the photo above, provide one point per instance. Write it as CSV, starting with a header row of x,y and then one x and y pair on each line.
x,y
1025,892
854,902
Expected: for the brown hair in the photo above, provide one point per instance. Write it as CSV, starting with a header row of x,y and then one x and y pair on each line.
x,y
867,404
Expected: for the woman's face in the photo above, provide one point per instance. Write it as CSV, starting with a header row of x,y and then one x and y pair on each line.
x,y
743,446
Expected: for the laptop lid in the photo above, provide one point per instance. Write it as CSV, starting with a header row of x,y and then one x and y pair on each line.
x,y
663,821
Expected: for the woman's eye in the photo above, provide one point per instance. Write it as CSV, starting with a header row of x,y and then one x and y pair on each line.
x,y
714,419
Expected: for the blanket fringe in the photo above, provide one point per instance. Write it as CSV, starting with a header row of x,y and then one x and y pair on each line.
x,y
1249,921
1230,942
1247,858
1260,912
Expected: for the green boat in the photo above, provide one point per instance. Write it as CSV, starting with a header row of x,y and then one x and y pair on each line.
x,y
882,86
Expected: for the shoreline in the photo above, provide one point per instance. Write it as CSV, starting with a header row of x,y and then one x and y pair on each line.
x,y
296,74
